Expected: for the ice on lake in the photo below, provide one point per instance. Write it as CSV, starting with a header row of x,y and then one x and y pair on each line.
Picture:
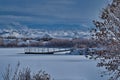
x,y
60,67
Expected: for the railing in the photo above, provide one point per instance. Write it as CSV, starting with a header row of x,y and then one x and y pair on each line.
x,y
44,50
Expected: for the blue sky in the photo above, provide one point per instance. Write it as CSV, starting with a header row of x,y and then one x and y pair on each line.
x,y
50,11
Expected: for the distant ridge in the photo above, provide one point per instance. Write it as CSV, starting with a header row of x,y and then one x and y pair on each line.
x,y
16,25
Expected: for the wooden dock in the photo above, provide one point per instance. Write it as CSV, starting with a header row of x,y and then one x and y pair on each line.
x,y
31,50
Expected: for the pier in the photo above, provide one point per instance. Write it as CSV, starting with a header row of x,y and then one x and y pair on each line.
x,y
34,50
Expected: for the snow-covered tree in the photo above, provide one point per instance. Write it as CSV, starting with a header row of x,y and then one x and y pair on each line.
x,y
107,34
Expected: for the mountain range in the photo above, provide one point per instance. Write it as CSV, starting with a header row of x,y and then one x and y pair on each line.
x,y
53,30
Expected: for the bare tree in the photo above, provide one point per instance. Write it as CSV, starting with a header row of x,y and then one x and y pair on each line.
x,y
107,34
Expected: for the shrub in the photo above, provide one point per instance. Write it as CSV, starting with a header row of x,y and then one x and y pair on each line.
x,y
24,74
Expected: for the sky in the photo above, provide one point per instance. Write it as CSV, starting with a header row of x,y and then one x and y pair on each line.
x,y
35,12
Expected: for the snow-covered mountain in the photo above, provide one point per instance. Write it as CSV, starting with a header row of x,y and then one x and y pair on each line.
x,y
33,33
56,31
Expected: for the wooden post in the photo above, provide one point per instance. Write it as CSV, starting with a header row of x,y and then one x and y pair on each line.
x,y
48,49
38,50
42,50
28,49
53,49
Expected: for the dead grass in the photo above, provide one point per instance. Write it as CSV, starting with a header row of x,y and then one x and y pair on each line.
x,y
24,74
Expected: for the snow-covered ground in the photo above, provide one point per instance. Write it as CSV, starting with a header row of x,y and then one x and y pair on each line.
x,y
60,67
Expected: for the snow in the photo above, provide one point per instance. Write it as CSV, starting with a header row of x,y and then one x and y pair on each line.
x,y
60,67
75,52
8,41
35,33
20,43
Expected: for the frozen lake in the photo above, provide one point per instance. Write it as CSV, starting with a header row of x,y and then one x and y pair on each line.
x,y
60,67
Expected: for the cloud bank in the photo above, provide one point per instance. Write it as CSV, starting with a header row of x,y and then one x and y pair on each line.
x,y
50,11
